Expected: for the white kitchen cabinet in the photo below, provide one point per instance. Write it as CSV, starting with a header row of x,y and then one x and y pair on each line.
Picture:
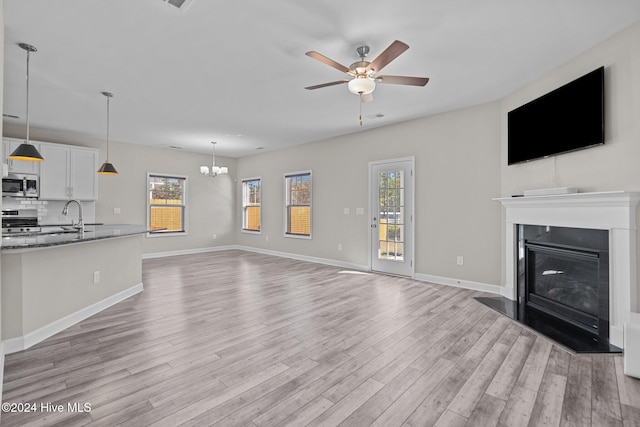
x,y
68,172
83,175
18,166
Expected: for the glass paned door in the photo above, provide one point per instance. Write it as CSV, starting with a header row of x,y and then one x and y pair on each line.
x,y
392,217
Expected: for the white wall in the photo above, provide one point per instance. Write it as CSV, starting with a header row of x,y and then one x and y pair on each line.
x,y
460,165
457,173
35,301
612,166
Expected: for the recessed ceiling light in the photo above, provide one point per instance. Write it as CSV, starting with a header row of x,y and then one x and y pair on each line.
x,y
175,147
375,116
260,148
10,116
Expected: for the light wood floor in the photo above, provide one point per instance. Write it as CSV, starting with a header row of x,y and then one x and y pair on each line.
x,y
236,338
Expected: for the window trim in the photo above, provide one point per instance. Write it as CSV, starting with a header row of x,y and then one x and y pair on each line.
x,y
246,230
184,205
298,236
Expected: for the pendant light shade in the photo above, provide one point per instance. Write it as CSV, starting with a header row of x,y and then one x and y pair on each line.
x,y
26,151
107,167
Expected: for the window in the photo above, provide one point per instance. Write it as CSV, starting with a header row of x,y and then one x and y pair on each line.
x,y
298,204
167,203
251,208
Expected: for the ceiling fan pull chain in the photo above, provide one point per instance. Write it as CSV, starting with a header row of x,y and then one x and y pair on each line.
x,y
360,109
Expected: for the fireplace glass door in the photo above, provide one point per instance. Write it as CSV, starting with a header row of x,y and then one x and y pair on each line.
x,y
564,273
564,281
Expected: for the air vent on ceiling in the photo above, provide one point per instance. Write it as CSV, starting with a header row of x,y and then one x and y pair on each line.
x,y
375,116
180,4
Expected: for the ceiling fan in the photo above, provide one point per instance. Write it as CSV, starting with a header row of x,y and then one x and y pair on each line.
x,y
364,74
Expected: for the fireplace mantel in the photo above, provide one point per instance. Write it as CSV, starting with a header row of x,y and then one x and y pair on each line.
x,y
614,211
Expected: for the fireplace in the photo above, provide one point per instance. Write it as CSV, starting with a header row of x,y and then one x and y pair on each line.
x,y
613,212
563,272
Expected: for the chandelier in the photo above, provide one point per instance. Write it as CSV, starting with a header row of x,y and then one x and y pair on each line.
x,y
215,170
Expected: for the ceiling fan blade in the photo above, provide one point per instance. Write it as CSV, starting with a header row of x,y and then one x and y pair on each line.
x,y
330,62
337,82
403,80
389,54
366,98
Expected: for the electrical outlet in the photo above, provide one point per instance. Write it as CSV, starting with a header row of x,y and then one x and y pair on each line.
x,y
116,210
215,236
460,260
346,211
96,276
266,237
339,246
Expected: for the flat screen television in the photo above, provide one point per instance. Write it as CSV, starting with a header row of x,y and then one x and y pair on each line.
x,y
566,119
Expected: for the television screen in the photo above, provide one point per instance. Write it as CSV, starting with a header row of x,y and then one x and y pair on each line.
x,y
566,119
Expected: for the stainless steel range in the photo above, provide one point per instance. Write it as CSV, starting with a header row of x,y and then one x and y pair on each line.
x,y
20,221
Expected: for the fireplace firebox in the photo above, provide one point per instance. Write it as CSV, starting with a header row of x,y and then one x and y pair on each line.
x,y
563,276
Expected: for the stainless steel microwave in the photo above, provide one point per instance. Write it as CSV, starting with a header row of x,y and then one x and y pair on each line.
x,y
20,185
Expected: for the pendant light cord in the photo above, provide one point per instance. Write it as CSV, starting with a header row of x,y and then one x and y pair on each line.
x,y
108,99
108,95
28,55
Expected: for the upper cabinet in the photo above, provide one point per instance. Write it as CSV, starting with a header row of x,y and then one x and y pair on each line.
x,y
18,166
68,172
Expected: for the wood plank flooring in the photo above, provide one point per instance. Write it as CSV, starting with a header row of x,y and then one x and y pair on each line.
x,y
238,338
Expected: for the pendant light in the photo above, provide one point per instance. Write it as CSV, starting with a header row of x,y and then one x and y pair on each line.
x,y
27,151
215,170
107,168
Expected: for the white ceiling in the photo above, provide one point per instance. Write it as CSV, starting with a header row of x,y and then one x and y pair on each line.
x,y
234,71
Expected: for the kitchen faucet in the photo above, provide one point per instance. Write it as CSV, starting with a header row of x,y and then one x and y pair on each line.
x,y
77,225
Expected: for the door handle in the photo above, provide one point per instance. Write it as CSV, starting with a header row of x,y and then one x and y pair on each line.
x,y
374,226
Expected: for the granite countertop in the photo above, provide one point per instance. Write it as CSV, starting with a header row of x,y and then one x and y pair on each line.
x,y
65,237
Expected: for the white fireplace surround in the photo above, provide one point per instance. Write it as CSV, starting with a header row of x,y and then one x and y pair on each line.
x,y
614,211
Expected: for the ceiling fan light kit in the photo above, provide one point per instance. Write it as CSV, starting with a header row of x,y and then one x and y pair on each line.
x,y
361,85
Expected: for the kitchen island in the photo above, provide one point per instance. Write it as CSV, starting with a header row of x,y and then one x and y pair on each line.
x,y
53,280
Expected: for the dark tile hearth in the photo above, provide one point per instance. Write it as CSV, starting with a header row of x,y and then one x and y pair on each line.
x,y
563,333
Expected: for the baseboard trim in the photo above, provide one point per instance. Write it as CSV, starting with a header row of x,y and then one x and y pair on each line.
x,y
325,261
458,283
467,284
448,281
289,255
153,255
16,344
